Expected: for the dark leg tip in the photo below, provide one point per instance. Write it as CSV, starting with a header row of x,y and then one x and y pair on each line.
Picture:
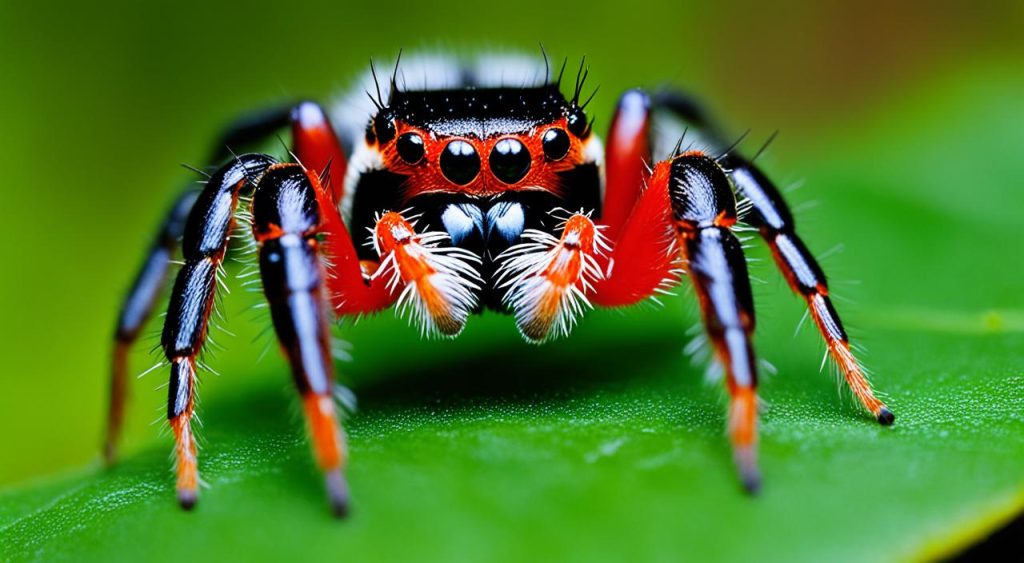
x,y
885,417
187,499
109,454
337,493
750,476
751,483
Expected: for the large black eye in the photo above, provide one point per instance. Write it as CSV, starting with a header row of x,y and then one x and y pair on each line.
x,y
577,123
384,127
410,147
510,160
459,162
556,144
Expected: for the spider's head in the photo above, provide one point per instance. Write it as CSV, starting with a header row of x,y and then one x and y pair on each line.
x,y
481,141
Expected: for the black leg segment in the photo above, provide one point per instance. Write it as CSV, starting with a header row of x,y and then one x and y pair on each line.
x,y
152,277
774,220
204,244
286,220
704,209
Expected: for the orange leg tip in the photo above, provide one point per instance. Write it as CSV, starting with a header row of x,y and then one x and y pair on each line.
x,y
746,463
885,416
324,432
187,498
337,493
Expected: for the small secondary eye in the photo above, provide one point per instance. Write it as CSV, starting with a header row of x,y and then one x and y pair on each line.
x,y
384,128
410,147
510,161
556,144
459,162
577,123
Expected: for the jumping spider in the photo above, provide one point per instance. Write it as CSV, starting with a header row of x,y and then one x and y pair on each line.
x,y
453,188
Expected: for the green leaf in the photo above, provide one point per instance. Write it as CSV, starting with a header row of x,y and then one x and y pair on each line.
x,y
610,445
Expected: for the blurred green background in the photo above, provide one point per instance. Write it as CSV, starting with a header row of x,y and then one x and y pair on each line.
x,y
903,122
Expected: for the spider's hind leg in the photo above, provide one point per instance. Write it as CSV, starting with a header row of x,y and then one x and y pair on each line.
x,y
136,309
772,217
151,278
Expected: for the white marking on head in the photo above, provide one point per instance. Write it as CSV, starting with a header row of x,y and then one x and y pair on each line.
x,y
593,153
423,71
461,219
364,159
498,70
508,219
593,150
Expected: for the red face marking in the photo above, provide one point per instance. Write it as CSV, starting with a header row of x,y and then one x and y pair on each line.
x,y
427,175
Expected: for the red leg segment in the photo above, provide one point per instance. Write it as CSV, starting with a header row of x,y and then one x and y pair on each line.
x,y
627,157
683,219
349,281
637,216
317,147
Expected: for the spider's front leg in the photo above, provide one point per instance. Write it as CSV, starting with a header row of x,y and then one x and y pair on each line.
x,y
683,219
680,217
286,222
703,211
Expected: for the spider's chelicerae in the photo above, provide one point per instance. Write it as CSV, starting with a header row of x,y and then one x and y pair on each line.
x,y
450,187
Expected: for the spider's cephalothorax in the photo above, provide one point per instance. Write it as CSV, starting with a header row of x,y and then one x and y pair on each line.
x,y
478,167
467,186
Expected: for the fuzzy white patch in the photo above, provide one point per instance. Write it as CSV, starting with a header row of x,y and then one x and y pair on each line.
x,y
363,159
508,219
460,220
496,70
422,71
520,274
593,152
455,278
